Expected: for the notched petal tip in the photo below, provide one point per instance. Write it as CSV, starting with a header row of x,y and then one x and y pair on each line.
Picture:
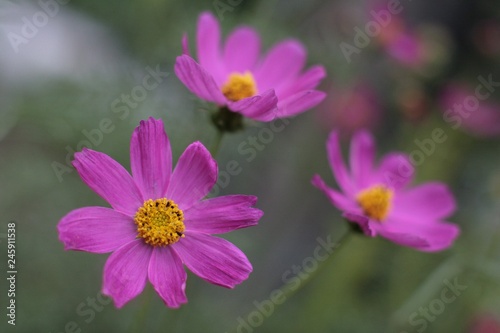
x,y
362,221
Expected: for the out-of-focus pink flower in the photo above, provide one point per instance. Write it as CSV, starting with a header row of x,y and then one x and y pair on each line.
x,y
378,200
486,324
158,221
462,108
351,109
402,43
236,77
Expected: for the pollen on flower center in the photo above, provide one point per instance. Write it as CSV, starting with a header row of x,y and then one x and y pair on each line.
x,y
160,222
239,86
376,202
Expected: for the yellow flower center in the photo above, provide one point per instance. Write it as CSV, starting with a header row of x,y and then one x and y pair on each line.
x,y
160,222
376,202
239,86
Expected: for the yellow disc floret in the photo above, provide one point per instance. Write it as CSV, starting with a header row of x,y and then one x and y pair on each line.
x,y
239,86
159,222
376,202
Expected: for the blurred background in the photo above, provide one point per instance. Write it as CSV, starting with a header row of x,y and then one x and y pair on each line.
x,y
67,67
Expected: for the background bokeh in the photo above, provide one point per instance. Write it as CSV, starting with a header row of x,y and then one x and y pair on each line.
x,y
71,73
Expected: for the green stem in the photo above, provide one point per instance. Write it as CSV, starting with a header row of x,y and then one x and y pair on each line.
x,y
288,291
216,144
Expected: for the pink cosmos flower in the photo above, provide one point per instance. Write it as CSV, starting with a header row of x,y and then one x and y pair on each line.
x,y
158,220
379,201
235,77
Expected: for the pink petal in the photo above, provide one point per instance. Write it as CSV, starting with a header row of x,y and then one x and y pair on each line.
x,y
168,277
198,80
362,221
337,199
299,102
337,164
361,158
222,214
208,45
96,229
405,239
395,170
213,259
126,272
261,107
242,49
430,201
281,64
309,80
427,237
108,179
193,177
151,158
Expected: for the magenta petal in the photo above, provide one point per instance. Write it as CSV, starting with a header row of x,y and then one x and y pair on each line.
x,y
261,107
299,102
362,221
431,236
198,80
151,158
430,201
337,199
213,259
194,176
109,179
126,272
395,170
96,229
405,239
208,45
242,49
222,214
439,236
281,64
168,277
338,165
309,80
361,158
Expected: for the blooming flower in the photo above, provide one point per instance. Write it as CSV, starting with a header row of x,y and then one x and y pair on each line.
x,y
158,220
379,201
235,78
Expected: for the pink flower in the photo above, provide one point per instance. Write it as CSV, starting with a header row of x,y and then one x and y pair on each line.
x,y
158,220
480,118
351,109
379,201
486,324
402,44
235,77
